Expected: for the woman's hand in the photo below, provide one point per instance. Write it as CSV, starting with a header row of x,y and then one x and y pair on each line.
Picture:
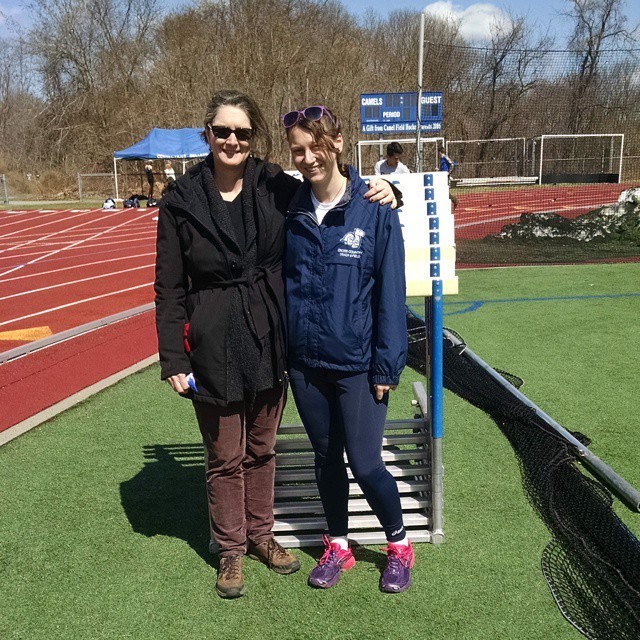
x,y
179,383
381,389
381,191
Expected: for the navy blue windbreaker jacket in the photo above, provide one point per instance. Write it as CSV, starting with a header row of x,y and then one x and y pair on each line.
x,y
345,285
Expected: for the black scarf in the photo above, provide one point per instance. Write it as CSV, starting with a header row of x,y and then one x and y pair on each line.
x,y
248,373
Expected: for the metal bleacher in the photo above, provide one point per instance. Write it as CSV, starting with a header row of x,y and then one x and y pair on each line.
x,y
407,453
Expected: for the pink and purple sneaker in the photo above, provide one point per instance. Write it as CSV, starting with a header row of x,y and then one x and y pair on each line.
x,y
397,575
334,560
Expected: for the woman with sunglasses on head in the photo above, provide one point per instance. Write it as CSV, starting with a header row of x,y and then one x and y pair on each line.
x,y
347,336
219,316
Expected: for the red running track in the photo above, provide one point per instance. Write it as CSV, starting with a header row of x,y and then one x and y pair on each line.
x,y
483,213
60,270
64,269
39,380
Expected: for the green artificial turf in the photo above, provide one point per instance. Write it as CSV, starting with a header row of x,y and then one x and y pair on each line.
x,y
98,541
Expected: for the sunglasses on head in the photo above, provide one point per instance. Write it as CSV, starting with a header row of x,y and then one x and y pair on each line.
x,y
222,133
312,114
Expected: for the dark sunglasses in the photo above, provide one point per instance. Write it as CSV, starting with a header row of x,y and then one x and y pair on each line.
x,y
312,114
222,133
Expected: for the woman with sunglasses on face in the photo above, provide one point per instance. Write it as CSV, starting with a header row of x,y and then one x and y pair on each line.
x,y
347,336
219,316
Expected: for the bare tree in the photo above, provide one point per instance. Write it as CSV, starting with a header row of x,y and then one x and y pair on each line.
x,y
598,25
109,70
18,105
87,52
491,90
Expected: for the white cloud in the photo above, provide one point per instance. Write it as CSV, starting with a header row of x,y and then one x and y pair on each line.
x,y
475,20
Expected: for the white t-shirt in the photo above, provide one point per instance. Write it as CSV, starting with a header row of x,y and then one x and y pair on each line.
x,y
322,208
383,169
169,173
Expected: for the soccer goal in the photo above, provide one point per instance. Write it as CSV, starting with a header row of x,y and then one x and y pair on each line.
x,y
490,161
96,185
368,152
587,157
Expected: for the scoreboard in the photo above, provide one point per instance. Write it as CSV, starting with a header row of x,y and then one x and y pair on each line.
x,y
397,112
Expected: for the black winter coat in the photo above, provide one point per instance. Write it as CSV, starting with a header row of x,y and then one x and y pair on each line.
x,y
198,266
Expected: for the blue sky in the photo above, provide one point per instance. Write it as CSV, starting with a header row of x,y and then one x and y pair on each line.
x,y
475,16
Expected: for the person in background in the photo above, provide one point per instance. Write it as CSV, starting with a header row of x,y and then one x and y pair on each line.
x,y
220,313
169,172
169,178
445,163
347,338
148,170
391,164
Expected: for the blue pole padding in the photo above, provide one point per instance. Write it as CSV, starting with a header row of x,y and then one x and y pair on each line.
x,y
436,384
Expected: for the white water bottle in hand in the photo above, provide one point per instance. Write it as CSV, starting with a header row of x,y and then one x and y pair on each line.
x,y
191,381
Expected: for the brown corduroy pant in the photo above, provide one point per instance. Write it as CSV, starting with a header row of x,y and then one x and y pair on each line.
x,y
240,468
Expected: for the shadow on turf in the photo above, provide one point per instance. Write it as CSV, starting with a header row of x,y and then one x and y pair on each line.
x,y
167,497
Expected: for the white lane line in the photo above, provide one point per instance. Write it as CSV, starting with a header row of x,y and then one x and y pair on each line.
x,y
44,224
35,238
488,221
51,253
136,231
92,254
53,233
73,255
78,266
146,238
70,282
72,304
11,222
151,241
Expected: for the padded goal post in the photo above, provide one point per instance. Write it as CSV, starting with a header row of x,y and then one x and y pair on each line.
x,y
579,158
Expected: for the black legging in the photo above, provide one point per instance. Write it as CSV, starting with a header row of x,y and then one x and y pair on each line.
x,y
340,412
151,181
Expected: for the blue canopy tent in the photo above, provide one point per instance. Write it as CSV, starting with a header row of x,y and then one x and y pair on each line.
x,y
164,144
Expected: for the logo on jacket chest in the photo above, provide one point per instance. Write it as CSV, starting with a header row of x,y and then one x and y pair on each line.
x,y
352,240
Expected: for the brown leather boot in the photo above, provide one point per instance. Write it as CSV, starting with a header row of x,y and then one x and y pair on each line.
x,y
274,555
230,582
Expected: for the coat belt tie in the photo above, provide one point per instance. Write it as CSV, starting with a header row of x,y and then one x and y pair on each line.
x,y
262,294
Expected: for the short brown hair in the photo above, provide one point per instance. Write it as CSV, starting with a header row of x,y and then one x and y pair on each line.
x,y
323,132
234,98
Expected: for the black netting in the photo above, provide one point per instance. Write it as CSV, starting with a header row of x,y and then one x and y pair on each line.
x,y
546,152
592,564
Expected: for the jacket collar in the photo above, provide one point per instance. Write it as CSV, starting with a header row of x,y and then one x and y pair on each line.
x,y
190,196
302,202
